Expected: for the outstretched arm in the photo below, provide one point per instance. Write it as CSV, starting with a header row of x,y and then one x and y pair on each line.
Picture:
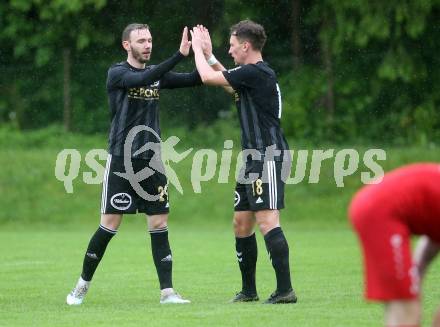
x,y
172,80
129,78
207,51
208,75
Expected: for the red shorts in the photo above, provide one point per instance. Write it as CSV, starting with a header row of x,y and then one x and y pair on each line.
x,y
388,268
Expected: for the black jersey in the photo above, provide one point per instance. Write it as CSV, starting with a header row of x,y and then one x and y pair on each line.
x,y
258,100
134,100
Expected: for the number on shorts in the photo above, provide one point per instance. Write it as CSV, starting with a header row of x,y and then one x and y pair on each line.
x,y
257,187
163,192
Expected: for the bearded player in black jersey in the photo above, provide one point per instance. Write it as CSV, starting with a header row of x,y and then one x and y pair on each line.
x,y
259,194
133,91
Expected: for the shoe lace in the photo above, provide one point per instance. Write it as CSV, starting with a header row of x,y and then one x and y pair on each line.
x,y
80,291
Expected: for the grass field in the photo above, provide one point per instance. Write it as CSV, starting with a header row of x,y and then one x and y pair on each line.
x,y
44,232
38,268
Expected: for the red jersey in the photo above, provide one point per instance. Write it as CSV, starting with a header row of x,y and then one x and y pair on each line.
x,y
411,194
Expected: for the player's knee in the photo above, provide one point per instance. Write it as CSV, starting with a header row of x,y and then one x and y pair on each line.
x,y
242,227
267,220
266,226
157,222
237,224
111,221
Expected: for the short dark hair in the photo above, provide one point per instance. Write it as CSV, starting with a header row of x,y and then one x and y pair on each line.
x,y
132,27
254,33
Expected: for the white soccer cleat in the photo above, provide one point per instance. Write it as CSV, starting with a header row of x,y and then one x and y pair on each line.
x,y
77,295
173,298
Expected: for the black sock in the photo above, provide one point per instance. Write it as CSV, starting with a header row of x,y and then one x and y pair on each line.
x,y
278,250
95,251
162,256
247,260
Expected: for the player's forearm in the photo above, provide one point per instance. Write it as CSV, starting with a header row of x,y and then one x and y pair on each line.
x,y
216,65
219,67
206,72
154,74
173,80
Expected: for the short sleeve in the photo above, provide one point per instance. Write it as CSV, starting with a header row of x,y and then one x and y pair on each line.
x,y
242,76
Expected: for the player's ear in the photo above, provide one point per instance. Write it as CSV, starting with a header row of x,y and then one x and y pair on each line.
x,y
245,46
126,45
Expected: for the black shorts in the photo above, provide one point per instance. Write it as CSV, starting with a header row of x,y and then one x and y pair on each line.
x,y
264,190
120,197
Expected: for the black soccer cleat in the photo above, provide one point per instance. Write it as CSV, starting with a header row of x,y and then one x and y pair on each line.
x,y
243,297
279,298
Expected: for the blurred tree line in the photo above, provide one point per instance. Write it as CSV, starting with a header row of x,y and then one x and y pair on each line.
x,y
349,70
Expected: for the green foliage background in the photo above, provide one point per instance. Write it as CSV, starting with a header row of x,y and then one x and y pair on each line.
x,y
349,70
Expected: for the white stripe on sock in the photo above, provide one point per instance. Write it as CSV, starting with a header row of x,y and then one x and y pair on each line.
x,y
108,229
159,230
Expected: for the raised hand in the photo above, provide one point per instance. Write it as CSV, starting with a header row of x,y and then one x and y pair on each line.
x,y
196,37
206,41
185,44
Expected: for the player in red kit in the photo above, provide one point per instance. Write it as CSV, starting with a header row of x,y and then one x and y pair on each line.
x,y
385,215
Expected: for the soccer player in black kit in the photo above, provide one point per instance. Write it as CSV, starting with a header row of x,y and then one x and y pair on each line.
x,y
133,91
260,196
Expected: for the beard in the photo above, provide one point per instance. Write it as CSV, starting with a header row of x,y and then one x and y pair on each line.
x,y
138,55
